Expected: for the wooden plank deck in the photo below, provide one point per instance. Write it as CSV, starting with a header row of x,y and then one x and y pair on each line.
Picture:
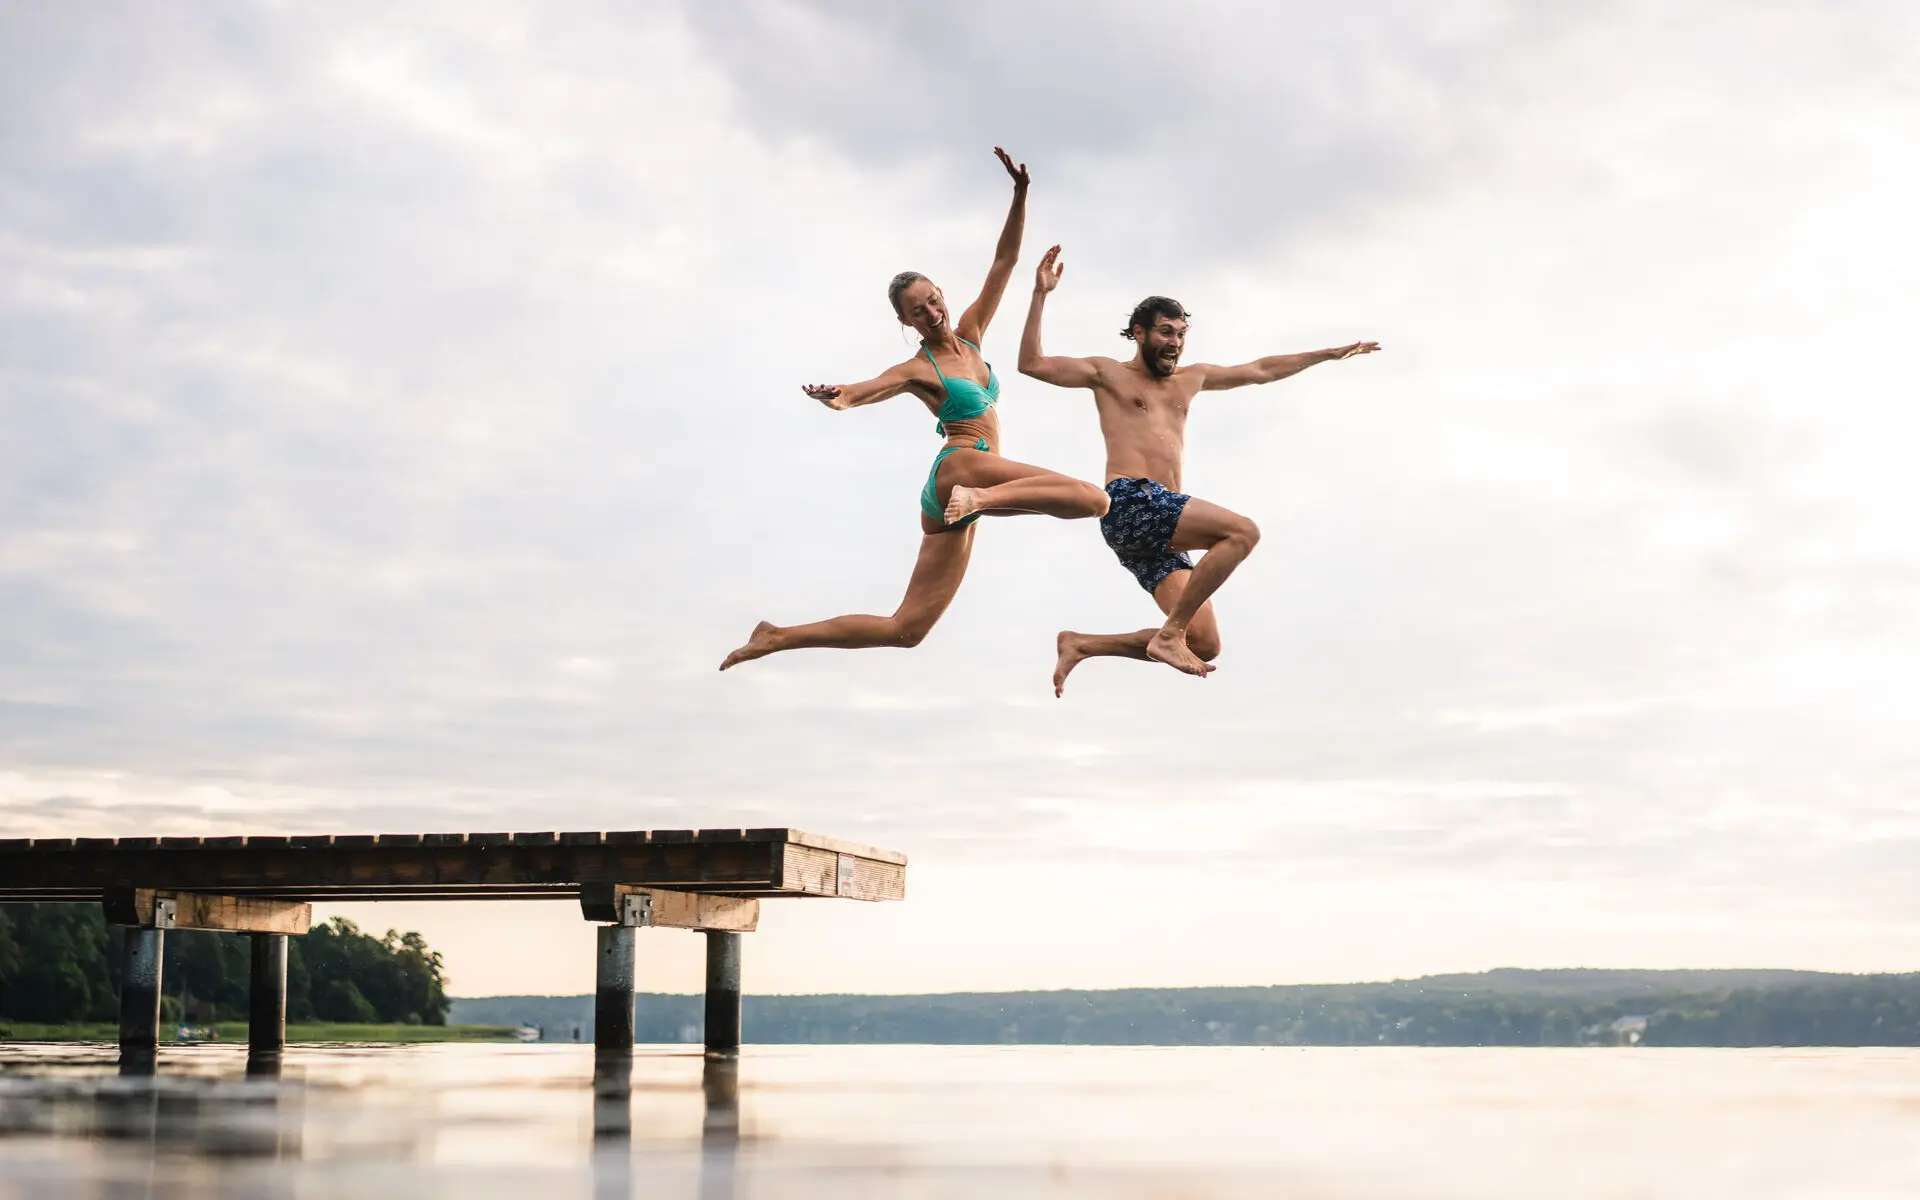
x,y
765,863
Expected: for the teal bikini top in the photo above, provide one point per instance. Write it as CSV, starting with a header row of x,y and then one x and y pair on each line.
x,y
965,398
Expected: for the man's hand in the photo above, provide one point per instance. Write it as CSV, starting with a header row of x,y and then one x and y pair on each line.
x,y
1357,348
1047,277
826,393
1019,173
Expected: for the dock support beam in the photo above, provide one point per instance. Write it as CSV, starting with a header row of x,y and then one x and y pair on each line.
x,y
723,992
140,1000
267,1003
613,992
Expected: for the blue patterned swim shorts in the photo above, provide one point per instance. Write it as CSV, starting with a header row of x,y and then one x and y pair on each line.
x,y
1139,524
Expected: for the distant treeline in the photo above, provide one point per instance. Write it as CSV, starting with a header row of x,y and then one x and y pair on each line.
x,y
59,963
1497,1008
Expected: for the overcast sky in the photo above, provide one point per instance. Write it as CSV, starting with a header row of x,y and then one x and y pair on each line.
x,y
401,420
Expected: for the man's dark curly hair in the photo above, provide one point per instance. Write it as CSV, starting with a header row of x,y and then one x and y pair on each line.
x,y
1150,309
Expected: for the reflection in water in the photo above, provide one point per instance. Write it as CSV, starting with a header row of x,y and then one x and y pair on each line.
x,y
612,1125
173,1116
263,1064
613,1177
485,1121
132,1116
719,1126
137,1062
612,1097
144,1129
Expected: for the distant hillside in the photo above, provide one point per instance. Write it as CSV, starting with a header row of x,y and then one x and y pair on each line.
x,y
1507,1007
1592,983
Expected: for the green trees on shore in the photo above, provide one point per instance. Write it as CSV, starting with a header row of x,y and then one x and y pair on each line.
x,y
53,963
58,963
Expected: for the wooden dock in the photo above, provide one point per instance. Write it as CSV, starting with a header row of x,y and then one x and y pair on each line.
x,y
710,880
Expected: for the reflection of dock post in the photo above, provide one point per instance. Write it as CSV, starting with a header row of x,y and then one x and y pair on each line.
x,y
612,1096
267,1003
723,992
720,1085
720,1127
612,1126
140,1000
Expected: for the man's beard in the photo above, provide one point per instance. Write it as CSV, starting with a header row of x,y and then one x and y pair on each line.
x,y
1158,368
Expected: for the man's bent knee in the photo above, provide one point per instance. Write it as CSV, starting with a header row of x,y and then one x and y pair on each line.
x,y
1205,646
1247,533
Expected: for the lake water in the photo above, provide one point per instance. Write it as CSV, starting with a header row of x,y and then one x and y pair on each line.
x,y
472,1121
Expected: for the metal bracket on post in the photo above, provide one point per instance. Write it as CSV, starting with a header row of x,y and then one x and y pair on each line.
x,y
630,906
636,910
165,913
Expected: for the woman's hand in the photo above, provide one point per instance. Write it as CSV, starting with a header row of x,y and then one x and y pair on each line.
x,y
1019,173
827,394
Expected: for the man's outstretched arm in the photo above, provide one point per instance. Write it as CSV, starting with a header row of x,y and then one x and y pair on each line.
x,y
1061,372
1274,367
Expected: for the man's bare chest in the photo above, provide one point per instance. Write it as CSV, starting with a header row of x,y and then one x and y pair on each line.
x,y
1161,409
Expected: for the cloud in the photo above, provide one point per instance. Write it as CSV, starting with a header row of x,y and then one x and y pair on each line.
x,y
401,423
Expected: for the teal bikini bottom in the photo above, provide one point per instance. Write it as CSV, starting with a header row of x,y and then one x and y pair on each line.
x,y
930,494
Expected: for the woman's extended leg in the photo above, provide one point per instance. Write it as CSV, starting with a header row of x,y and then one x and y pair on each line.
x,y
978,482
936,577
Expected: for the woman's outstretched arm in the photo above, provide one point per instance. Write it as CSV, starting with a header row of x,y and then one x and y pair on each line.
x,y
979,314
884,386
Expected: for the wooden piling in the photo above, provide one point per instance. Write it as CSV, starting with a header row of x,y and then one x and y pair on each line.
x,y
723,992
267,1003
140,1000
613,992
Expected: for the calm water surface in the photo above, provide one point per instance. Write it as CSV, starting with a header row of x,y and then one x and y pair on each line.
x,y
474,1121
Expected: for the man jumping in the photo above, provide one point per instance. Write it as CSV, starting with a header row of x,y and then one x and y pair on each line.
x,y
1150,525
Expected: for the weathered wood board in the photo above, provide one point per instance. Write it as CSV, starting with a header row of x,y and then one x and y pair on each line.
x,y
202,910
455,866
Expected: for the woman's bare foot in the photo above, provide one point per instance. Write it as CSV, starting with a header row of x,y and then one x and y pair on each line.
x,y
1072,650
962,503
1170,647
758,646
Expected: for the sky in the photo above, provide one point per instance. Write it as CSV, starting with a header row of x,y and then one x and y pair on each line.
x,y
402,418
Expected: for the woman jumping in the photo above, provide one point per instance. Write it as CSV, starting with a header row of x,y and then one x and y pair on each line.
x,y
969,479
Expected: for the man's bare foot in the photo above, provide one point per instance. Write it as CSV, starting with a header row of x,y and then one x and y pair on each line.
x,y
1170,647
758,646
1071,648
962,503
